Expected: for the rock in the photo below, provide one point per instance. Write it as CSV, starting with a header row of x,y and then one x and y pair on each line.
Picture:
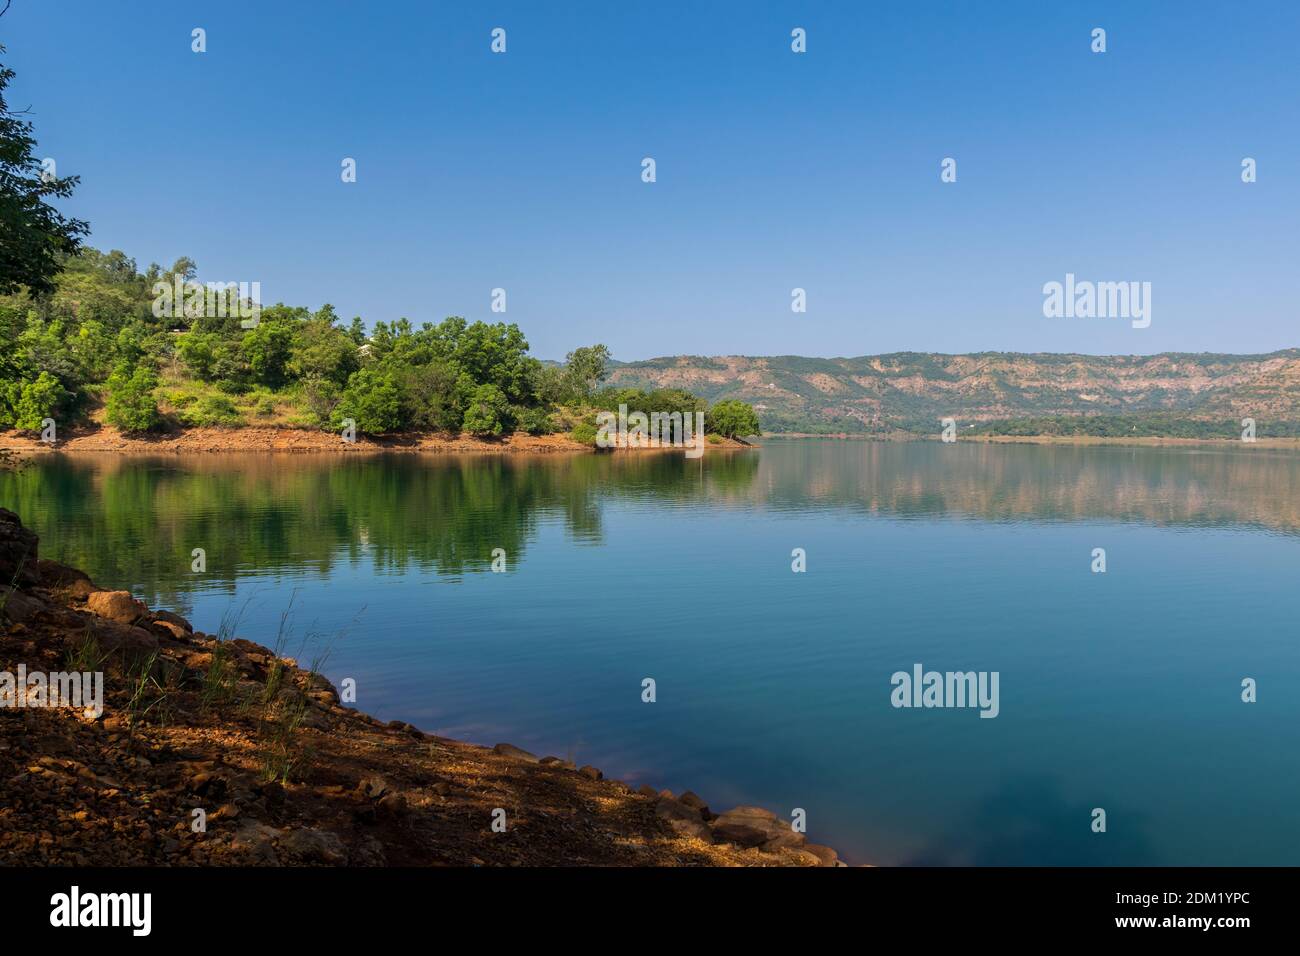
x,y
683,819
825,855
558,762
667,795
60,577
510,750
113,636
18,547
647,791
17,606
255,840
754,826
319,846
372,788
117,606
591,772
227,811
691,799
168,629
393,804
167,617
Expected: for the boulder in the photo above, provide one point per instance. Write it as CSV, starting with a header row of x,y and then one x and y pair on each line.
x,y
558,762
318,846
591,772
510,750
167,617
18,607
824,855
692,799
117,606
684,820
754,826
18,546
60,577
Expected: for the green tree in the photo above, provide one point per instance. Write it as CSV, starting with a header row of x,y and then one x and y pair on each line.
x,y
373,399
38,400
585,368
268,349
487,412
732,419
131,405
34,236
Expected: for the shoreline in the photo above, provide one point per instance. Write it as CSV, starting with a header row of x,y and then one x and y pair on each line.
x,y
1151,440
281,772
266,438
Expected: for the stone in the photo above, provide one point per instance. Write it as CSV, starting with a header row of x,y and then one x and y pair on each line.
x,y
825,855
167,617
117,606
319,846
510,750
648,791
692,799
591,772
684,820
17,606
18,547
558,762
753,826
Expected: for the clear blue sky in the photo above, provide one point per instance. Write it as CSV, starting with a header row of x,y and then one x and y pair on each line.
x,y
775,170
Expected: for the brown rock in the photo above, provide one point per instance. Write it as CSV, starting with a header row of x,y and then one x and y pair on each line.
x,y
825,855
647,791
18,547
17,606
558,762
319,846
754,826
510,750
167,617
683,819
691,799
591,772
60,577
117,606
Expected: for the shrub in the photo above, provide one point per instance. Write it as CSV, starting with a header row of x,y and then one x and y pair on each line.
x,y
732,418
373,399
488,411
38,401
536,421
584,433
131,406
212,410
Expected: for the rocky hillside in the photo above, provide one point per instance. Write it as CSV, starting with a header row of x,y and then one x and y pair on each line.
x,y
914,390
222,731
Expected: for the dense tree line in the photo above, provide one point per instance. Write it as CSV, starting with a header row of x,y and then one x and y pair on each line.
x,y
79,327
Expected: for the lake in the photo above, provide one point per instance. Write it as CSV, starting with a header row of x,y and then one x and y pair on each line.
x,y
1119,690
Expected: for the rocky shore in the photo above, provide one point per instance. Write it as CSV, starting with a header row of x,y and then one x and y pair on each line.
x,y
213,750
266,438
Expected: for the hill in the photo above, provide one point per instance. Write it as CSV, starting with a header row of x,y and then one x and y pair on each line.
x,y
1198,395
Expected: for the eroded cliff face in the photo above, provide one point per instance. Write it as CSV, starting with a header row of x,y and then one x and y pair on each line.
x,y
914,389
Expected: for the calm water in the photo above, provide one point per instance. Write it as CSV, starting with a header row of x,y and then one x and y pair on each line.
x,y
1117,690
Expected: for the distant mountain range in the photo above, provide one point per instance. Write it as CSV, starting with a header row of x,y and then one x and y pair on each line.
x,y
1169,393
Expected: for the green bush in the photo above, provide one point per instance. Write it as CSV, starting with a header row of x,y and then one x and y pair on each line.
x,y
584,433
131,405
37,401
212,410
488,411
536,421
732,419
374,400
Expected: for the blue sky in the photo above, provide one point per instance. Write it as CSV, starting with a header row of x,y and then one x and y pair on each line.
x,y
775,170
